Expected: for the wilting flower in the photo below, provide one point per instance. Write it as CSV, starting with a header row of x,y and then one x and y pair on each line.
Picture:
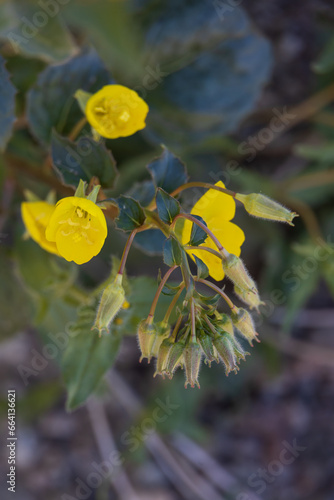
x,y
78,229
217,209
36,216
116,111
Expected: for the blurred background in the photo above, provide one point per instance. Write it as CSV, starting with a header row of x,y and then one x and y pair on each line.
x,y
243,92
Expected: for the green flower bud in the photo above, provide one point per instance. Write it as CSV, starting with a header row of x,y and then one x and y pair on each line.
x,y
146,333
242,320
111,302
250,297
162,331
261,206
224,322
226,352
162,358
236,271
192,360
175,354
206,343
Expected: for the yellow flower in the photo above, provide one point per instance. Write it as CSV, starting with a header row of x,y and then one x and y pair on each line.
x,y
36,216
217,209
116,111
78,228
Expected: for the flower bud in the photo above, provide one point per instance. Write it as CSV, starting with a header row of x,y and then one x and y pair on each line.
x,y
261,206
226,352
146,333
206,343
162,331
224,322
111,302
250,297
192,360
162,358
242,320
175,354
236,271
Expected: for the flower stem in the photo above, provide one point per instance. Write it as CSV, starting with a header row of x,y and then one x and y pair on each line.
x,y
126,251
202,226
206,185
193,320
207,249
77,129
158,292
218,290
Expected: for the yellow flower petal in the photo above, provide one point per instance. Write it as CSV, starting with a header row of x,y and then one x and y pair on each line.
x,y
213,202
79,229
36,216
116,111
216,209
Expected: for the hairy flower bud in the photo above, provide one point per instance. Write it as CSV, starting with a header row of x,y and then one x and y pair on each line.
x,y
162,331
261,206
111,302
206,343
192,360
236,271
249,297
146,334
175,354
162,358
224,322
242,320
225,351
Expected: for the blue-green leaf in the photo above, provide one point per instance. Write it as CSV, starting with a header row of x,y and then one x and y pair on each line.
x,y
131,215
51,102
167,206
202,268
210,69
168,171
7,105
82,160
172,252
198,235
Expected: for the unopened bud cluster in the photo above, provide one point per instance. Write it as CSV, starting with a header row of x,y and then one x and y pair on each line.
x,y
214,340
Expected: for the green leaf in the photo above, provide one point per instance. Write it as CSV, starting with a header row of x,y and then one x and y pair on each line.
x,y
198,235
7,105
172,252
167,206
113,31
83,159
131,215
87,358
202,269
322,153
51,102
37,30
168,171
325,61
15,310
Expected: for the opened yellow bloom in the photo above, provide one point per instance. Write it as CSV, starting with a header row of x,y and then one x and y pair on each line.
x,y
36,216
217,209
116,111
78,228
